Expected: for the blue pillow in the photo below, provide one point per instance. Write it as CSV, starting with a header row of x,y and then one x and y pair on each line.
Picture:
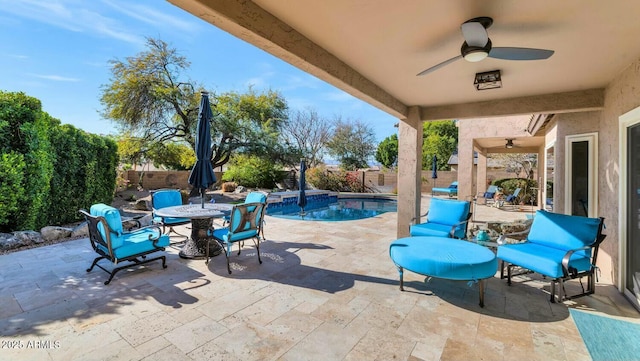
x,y
112,216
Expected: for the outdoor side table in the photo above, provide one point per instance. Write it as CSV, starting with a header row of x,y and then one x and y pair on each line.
x,y
201,223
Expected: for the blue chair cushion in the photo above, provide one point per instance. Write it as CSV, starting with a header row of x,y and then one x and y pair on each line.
x,y
255,197
562,231
112,216
171,220
138,242
541,259
444,258
166,198
223,234
430,229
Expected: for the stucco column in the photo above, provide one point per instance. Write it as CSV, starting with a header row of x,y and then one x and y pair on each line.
x,y
481,173
542,185
465,170
409,170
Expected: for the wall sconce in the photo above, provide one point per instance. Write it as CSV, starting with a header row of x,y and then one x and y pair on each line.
x,y
488,80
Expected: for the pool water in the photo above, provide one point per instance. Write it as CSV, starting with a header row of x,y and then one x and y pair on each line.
x,y
344,209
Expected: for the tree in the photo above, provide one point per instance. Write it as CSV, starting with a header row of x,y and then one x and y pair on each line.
x,y
352,143
307,133
387,153
440,138
149,98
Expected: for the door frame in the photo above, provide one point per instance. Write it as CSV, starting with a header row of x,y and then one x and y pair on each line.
x,y
625,121
592,139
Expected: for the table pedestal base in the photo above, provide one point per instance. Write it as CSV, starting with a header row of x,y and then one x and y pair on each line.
x,y
195,246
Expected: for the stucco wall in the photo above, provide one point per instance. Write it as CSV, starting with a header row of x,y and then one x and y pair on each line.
x,y
621,96
569,124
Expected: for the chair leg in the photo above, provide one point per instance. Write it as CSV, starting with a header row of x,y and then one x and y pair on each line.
x,y
95,262
134,262
258,250
553,292
401,272
509,274
481,291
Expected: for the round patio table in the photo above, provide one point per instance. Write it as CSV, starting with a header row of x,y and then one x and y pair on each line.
x,y
446,258
201,223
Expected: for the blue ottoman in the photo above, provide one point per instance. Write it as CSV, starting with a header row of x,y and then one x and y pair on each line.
x,y
444,257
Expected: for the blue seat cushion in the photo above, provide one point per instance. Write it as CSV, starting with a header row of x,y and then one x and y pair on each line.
x,y
430,229
114,221
541,259
224,235
170,220
444,258
138,242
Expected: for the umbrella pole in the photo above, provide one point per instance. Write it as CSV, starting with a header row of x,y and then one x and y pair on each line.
x,y
202,197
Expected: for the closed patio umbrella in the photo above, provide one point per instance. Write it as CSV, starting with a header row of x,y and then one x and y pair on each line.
x,y
202,176
302,197
434,169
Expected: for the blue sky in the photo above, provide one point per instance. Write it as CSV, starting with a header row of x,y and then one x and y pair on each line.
x,y
58,52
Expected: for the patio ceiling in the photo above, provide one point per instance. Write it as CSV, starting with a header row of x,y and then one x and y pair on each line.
x,y
374,49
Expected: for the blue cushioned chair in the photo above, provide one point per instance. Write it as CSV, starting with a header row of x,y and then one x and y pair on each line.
x,y
111,242
168,198
489,194
245,223
451,190
445,218
512,198
560,247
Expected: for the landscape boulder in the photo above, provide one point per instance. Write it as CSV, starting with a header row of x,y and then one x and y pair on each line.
x,y
54,233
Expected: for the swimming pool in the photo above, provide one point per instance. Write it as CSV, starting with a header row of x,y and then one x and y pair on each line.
x,y
340,209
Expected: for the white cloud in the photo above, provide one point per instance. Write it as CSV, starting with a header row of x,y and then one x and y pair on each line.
x,y
55,77
72,15
152,16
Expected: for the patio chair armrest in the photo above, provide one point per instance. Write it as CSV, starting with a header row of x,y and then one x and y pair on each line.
x,y
567,257
453,227
416,220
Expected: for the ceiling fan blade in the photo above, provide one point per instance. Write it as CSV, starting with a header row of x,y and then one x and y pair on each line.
x,y
436,67
519,53
474,34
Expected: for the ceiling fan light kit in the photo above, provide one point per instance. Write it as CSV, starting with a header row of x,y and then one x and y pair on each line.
x,y
488,80
474,54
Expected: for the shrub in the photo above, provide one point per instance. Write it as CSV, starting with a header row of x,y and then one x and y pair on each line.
x,y
252,172
338,181
24,130
229,186
527,188
48,171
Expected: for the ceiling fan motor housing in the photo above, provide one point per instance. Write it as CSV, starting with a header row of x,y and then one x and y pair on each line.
x,y
475,53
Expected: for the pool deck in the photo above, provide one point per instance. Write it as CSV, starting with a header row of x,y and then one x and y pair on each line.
x,y
325,291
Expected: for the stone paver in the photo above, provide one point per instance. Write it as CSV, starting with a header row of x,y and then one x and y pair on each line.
x,y
325,291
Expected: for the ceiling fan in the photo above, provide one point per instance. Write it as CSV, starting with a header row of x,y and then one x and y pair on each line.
x,y
477,46
509,143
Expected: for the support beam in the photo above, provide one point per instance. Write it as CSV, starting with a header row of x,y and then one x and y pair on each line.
x,y
251,23
409,170
578,101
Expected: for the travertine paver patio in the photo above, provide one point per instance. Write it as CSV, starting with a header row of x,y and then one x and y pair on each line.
x,y
326,291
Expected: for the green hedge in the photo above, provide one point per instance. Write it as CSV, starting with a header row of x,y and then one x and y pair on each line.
x,y
85,173
527,188
48,171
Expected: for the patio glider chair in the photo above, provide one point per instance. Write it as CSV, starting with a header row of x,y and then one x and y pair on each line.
x,y
167,198
245,223
111,242
451,190
513,198
489,194
558,246
445,218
